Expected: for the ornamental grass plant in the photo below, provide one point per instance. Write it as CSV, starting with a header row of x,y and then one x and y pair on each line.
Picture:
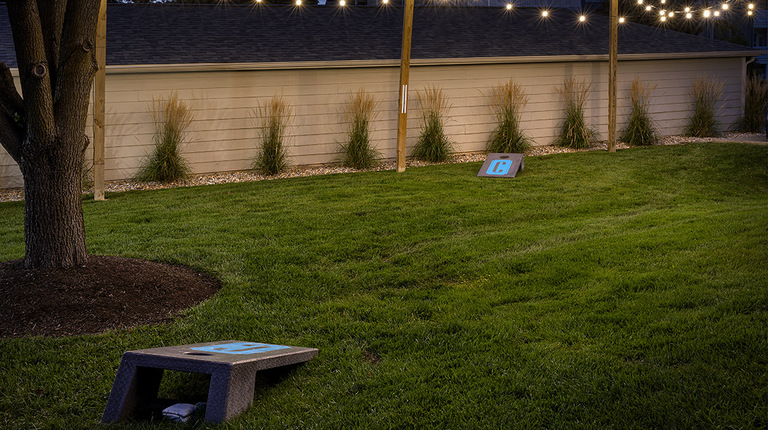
x,y
640,129
755,105
574,131
705,95
507,102
433,144
359,111
172,117
272,119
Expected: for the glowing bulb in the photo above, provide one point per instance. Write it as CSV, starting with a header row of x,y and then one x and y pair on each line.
x,y
689,15
509,6
258,1
687,9
662,12
385,1
717,13
749,12
639,1
725,6
342,2
544,13
647,8
298,2
621,20
663,1
582,18
671,15
707,13
751,6
663,18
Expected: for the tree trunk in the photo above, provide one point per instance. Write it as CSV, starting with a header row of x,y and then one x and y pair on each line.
x,y
54,229
44,131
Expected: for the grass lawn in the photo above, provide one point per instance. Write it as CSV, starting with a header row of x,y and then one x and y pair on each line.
x,y
595,290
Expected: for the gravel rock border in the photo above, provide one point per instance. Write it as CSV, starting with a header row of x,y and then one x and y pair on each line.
x,y
17,194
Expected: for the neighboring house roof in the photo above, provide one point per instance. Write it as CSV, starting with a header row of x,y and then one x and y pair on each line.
x,y
158,34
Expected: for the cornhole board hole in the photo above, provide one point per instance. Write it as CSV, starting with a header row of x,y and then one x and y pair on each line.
x,y
232,365
500,165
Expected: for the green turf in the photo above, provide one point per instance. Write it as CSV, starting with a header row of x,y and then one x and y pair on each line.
x,y
594,290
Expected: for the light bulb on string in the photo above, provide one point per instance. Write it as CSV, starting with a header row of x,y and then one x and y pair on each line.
x,y
545,13
687,9
716,14
724,6
751,6
663,18
621,20
582,18
509,6
707,13
648,8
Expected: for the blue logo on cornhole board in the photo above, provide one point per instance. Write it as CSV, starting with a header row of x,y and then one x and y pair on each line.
x,y
500,165
240,348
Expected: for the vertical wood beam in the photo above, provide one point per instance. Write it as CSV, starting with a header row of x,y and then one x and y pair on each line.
x,y
613,54
99,104
405,65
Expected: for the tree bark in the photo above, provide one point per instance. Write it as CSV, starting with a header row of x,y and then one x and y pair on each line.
x,y
54,227
44,129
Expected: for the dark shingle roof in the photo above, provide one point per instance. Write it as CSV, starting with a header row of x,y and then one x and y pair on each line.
x,y
156,34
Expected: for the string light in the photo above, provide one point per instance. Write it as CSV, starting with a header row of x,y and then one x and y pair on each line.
x,y
582,18
298,2
723,7
509,6
342,3
621,20
545,13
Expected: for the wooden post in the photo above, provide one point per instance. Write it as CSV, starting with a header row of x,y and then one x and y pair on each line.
x,y
405,65
99,104
613,54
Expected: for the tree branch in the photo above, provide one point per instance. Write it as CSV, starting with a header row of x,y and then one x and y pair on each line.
x,y
12,118
10,100
33,70
52,21
77,64
11,137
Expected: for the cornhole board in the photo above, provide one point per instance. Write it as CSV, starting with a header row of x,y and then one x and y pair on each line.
x,y
500,165
232,365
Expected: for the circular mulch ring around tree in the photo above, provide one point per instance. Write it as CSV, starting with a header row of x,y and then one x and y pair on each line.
x,y
107,293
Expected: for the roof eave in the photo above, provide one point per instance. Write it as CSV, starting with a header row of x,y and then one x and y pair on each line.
x,y
417,62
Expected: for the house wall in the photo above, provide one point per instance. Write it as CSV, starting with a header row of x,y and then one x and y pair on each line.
x,y
223,136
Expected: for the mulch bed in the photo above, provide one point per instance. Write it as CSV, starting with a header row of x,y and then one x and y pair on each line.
x,y
106,293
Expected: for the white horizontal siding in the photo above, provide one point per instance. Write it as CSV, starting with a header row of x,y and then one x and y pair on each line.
x,y
223,136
